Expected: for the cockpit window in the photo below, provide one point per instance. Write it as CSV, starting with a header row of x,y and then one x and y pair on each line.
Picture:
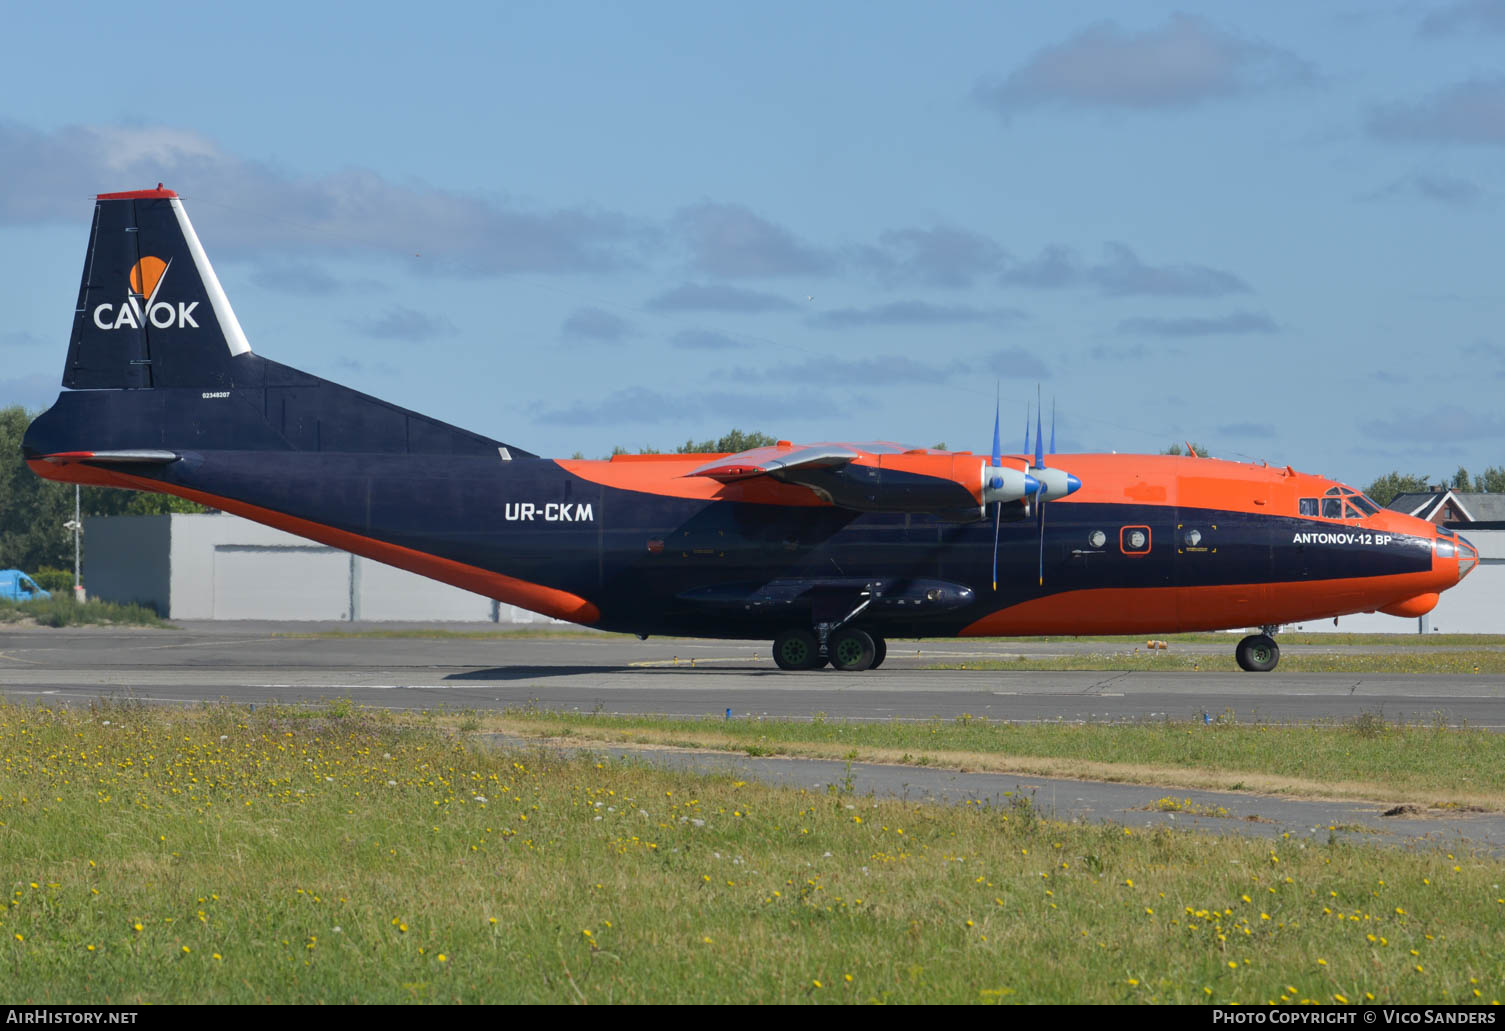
x,y
1364,505
1332,508
1308,506
1334,491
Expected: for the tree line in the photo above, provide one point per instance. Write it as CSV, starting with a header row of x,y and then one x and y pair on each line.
x,y
733,442
1385,489
33,510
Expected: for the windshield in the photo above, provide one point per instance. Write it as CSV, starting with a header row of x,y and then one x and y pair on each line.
x,y
1338,502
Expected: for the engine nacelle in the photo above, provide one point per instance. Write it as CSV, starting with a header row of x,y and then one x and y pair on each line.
x,y
1055,483
1003,483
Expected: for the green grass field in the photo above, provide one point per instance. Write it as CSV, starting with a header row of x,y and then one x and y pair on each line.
x,y
218,855
1366,758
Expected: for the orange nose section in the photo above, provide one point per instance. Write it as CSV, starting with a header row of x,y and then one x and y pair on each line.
x,y
1453,558
1412,608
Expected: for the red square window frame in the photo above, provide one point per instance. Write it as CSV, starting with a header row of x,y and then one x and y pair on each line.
x,y
1149,541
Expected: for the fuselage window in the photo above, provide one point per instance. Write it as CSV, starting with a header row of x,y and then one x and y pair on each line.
x,y
1308,506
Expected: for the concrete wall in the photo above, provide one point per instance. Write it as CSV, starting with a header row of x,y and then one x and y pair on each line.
x,y
224,567
125,559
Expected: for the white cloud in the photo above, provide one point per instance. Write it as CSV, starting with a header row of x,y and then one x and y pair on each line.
x,y
1469,112
243,207
1182,63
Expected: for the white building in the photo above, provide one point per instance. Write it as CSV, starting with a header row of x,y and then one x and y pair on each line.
x,y
219,566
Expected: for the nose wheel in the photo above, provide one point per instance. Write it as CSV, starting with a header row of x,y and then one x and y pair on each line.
x,y
1257,653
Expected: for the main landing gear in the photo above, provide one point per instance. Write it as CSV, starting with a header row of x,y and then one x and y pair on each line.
x,y
1258,653
847,648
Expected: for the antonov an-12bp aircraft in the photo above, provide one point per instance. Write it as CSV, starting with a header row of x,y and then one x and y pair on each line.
x,y
826,549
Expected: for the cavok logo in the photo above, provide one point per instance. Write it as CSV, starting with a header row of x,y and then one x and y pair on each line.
x,y
141,306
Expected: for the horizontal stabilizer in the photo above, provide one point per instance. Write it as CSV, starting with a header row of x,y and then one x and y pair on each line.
x,y
135,457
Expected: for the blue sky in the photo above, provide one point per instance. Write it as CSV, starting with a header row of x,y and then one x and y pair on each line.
x,y
1272,229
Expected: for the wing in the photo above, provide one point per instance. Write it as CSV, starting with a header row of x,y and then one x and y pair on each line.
x,y
773,461
881,477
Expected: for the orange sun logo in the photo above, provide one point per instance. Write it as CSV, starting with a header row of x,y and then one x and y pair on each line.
x,y
146,274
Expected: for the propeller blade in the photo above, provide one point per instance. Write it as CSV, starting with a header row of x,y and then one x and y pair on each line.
x,y
997,522
1052,426
997,447
1026,428
997,460
1042,545
1039,443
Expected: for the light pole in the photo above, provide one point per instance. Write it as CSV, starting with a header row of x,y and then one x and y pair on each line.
x,y
77,526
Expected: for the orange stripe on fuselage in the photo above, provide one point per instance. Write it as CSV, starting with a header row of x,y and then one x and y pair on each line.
x,y
548,600
1133,610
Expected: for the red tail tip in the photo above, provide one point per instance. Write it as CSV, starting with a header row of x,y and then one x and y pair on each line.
x,y
160,193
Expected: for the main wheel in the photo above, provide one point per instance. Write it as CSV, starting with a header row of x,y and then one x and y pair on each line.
x,y
880,647
852,650
1257,653
797,649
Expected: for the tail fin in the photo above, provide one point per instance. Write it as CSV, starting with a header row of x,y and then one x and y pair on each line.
x,y
158,363
151,312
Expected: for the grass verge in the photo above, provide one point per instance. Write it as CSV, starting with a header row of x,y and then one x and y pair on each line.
x,y
59,611
227,856
1430,661
1368,758
1406,640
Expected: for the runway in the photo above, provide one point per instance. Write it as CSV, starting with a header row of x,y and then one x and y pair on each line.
x,y
260,663
257,663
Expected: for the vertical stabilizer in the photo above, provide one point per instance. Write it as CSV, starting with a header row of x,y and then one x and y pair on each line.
x,y
158,363
151,312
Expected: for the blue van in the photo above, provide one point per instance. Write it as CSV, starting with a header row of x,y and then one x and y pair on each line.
x,y
17,586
